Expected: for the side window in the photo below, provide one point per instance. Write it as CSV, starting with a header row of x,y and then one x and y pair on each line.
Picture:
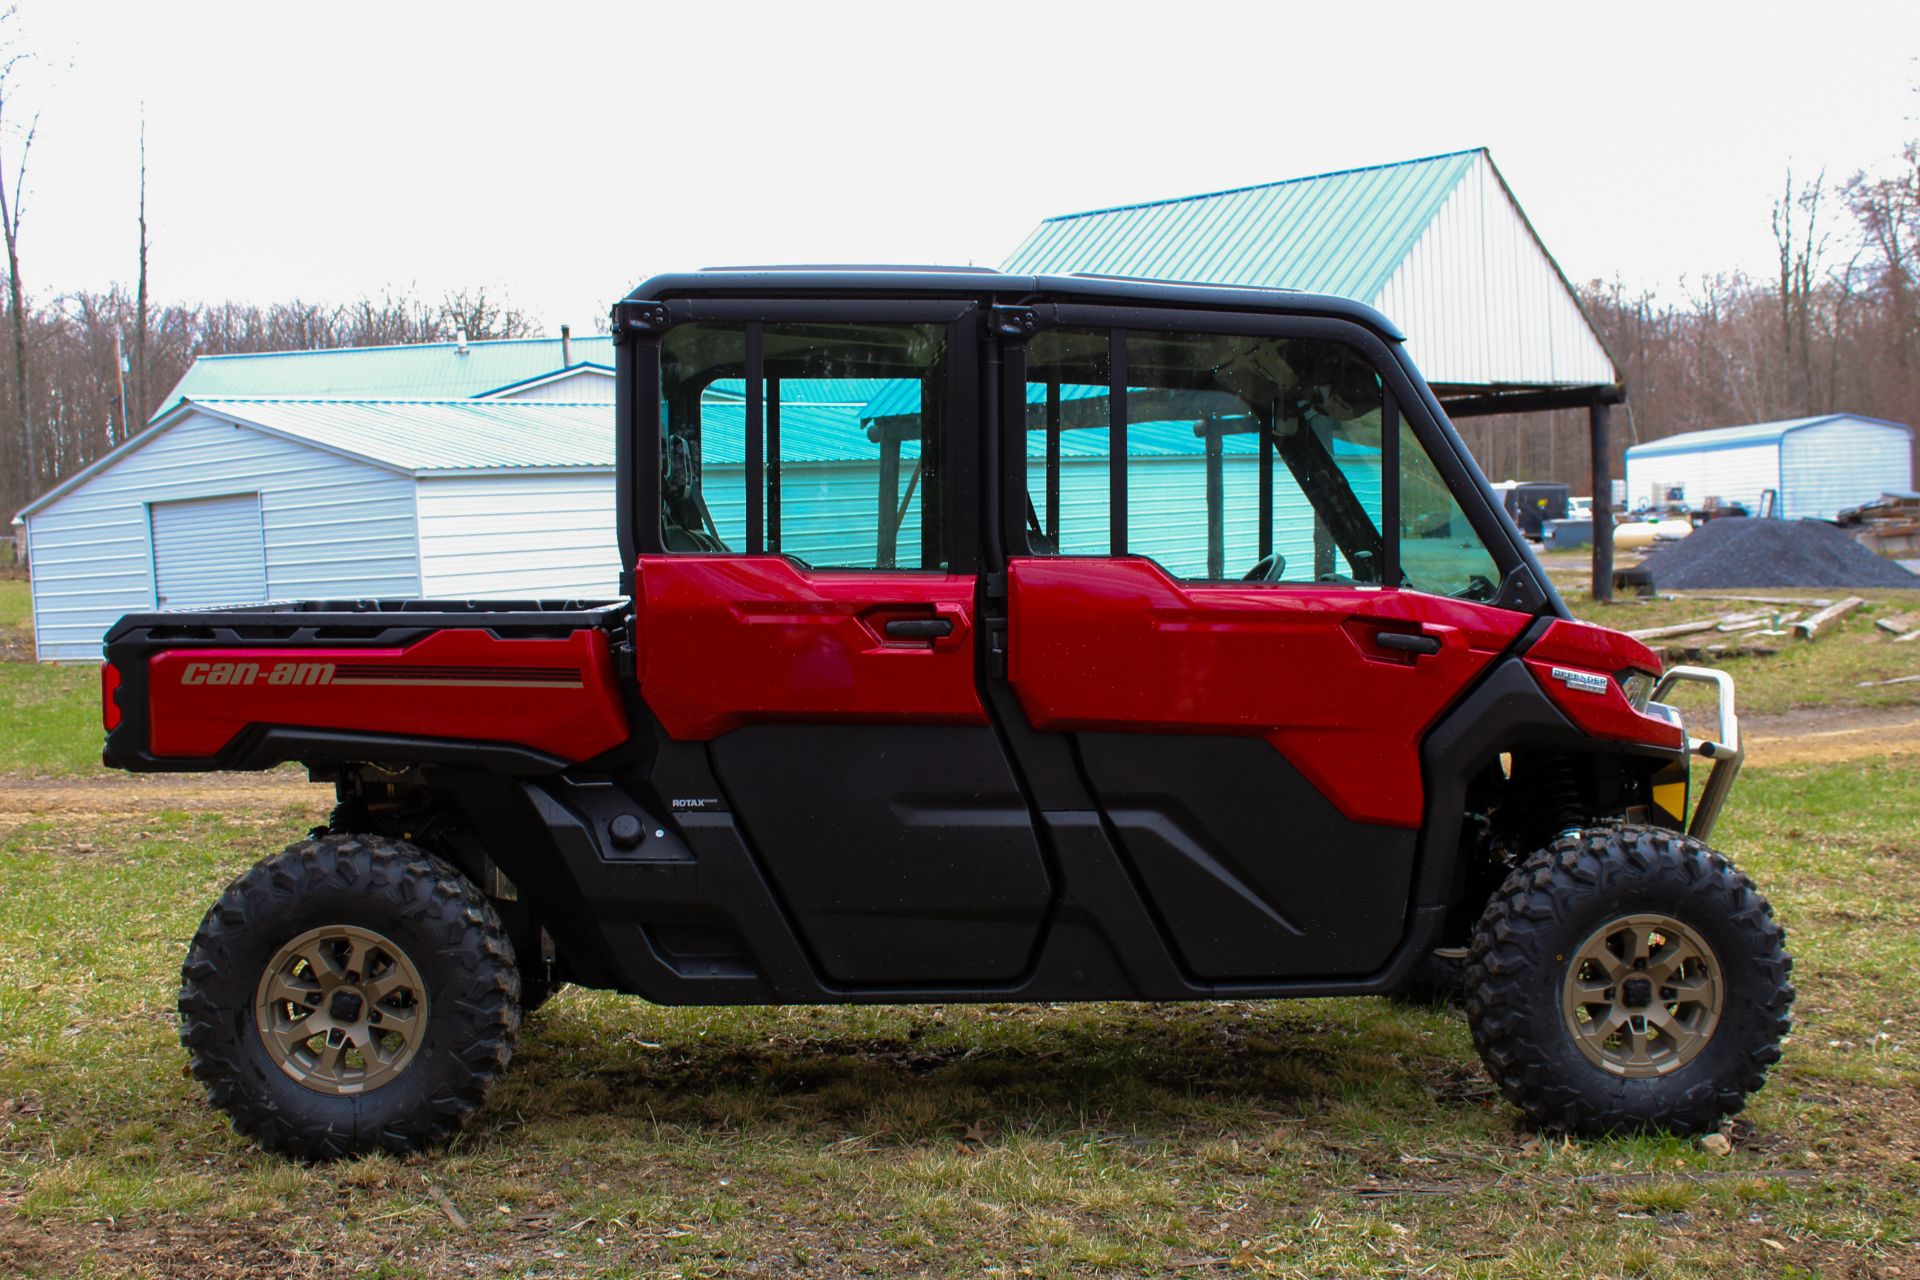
x,y
1439,551
821,443
1237,458
1241,458
1069,442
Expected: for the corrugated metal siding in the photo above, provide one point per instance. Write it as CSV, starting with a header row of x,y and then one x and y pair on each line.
x,y
1736,474
1830,466
427,371
829,512
442,435
583,385
208,551
1340,233
518,536
333,527
1166,511
1482,303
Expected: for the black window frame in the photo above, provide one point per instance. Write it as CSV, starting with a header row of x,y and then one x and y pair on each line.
x,y
638,424
1403,400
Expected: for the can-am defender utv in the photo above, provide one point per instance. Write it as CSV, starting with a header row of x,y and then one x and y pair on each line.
x,y
982,638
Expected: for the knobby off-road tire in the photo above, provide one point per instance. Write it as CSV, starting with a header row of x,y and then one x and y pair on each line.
x,y
1591,895
357,895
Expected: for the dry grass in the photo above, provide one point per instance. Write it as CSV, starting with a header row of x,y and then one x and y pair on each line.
x,y
1330,1138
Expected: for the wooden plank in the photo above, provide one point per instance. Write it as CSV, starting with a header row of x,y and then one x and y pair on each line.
x,y
1807,603
1812,627
1675,629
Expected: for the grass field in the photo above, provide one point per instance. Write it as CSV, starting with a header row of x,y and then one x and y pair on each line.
x,y
1336,1138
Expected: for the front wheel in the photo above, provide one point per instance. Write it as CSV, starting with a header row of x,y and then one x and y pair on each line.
x,y
349,994
1628,978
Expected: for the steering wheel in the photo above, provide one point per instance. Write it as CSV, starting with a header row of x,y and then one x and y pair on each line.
x,y
1270,569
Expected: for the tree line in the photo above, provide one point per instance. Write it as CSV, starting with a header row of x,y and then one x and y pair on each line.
x,y
81,402
1836,329
86,370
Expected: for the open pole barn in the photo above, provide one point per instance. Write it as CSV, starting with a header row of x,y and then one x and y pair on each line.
x,y
1439,245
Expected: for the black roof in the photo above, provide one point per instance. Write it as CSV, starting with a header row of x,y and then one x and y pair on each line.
x,y
976,282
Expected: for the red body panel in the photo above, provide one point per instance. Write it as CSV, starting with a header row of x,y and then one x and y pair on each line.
x,y
557,695
1584,647
728,640
1119,645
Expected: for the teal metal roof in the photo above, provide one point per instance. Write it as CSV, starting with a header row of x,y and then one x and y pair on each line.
x,y
1339,233
438,435
1750,434
421,371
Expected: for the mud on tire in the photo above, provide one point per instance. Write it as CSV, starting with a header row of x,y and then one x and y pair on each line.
x,y
454,944
1543,920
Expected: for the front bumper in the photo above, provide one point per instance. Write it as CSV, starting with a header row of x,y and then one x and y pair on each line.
x,y
1725,748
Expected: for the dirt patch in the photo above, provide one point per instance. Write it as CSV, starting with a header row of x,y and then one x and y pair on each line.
x,y
1825,735
31,799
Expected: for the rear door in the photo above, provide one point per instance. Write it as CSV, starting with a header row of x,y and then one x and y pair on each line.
x,y
806,609
1246,592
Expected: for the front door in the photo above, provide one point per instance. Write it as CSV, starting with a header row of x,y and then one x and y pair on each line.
x,y
1246,593
808,613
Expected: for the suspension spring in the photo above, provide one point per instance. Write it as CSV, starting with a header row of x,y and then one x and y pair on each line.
x,y
1564,798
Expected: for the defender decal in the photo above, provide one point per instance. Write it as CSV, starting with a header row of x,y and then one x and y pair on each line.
x,y
1581,681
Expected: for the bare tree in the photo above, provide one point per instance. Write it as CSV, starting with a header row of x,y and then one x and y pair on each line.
x,y
12,205
140,305
481,317
1800,259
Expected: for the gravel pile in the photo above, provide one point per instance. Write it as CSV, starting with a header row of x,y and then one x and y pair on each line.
x,y
1736,552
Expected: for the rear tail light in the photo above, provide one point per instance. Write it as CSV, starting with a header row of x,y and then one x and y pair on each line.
x,y
109,696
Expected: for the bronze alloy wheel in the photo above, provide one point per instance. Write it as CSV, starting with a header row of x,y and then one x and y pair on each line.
x,y
341,1009
1643,995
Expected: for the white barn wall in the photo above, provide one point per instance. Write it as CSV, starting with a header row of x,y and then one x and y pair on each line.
x,y
1830,466
1481,302
499,535
588,386
333,527
1736,474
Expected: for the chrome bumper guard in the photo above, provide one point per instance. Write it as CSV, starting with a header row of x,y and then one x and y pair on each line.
x,y
1725,749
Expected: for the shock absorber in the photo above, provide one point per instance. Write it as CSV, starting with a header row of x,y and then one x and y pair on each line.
x,y
1564,798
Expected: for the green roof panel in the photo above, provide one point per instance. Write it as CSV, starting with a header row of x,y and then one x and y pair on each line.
x,y
1336,233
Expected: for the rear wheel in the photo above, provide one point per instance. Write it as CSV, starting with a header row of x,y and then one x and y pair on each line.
x,y
348,994
1626,978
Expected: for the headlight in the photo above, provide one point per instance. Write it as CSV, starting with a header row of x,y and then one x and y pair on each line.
x,y
1638,686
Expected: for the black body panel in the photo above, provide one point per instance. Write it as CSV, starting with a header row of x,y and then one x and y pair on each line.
x,y
1255,874
923,869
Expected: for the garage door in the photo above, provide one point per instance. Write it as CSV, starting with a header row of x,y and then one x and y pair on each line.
x,y
209,551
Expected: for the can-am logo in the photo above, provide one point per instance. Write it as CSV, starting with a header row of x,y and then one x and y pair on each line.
x,y
222,673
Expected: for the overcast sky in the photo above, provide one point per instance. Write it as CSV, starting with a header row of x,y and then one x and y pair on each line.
x,y
562,152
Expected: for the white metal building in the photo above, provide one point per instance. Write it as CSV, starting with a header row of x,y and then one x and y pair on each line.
x,y
1817,466
231,501
1439,245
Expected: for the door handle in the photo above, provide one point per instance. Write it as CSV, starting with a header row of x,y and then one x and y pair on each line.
x,y
1407,642
918,628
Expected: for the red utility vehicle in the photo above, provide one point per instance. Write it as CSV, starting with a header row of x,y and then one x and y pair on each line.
x,y
984,638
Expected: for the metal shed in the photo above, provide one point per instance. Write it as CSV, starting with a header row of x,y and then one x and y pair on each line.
x,y
1439,244
225,501
1818,466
